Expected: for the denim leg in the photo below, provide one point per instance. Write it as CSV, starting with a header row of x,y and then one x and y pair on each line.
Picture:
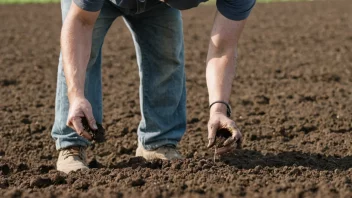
x,y
63,135
158,39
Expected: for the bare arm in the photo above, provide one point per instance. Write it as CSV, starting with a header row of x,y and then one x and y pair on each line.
x,y
221,63
76,42
221,60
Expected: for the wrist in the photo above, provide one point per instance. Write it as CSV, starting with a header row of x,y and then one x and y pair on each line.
x,y
220,107
74,93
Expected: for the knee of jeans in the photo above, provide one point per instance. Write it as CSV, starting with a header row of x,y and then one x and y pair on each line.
x,y
172,50
172,53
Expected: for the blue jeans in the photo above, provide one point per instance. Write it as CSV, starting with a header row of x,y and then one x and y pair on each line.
x,y
158,39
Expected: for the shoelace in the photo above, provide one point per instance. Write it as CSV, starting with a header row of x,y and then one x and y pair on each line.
x,y
73,152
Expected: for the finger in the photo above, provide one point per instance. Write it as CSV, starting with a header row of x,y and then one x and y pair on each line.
x,y
77,124
69,124
212,128
230,141
89,115
236,135
239,140
223,150
231,127
239,145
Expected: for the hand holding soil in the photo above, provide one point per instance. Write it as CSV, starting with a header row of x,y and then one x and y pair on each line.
x,y
80,110
223,133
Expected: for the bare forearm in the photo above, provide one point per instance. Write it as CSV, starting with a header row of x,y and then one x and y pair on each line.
x,y
221,61
76,41
75,46
220,74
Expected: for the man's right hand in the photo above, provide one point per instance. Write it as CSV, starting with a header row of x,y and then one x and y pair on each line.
x,y
76,42
81,108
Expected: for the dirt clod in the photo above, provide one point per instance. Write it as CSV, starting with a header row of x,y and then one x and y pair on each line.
x,y
97,135
80,184
58,178
39,182
4,169
4,183
22,167
137,182
45,168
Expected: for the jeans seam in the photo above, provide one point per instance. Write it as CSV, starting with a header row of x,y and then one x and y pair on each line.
x,y
60,103
144,89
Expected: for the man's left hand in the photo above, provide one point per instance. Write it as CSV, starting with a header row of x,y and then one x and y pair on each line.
x,y
220,121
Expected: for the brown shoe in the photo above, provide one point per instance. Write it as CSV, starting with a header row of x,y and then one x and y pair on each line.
x,y
71,159
167,152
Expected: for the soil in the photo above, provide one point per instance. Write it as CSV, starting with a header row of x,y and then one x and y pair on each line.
x,y
292,100
98,135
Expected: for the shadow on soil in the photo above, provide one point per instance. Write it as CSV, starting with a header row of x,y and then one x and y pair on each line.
x,y
248,159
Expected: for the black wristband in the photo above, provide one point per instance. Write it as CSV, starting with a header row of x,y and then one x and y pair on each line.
x,y
228,111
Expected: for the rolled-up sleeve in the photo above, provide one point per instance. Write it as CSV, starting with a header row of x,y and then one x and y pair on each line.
x,y
235,9
89,5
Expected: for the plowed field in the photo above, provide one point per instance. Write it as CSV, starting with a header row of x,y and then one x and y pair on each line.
x,y
292,99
